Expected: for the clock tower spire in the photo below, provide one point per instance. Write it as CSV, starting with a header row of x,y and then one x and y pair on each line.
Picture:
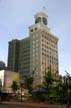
x,y
41,18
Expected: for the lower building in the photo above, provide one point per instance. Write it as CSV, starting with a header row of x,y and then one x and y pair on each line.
x,y
7,78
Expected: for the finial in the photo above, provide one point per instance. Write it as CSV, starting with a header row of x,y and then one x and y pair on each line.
x,y
44,8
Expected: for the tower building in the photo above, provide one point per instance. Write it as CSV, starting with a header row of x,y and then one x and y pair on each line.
x,y
39,53
43,48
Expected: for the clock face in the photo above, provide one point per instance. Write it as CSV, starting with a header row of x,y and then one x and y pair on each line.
x,y
44,21
38,20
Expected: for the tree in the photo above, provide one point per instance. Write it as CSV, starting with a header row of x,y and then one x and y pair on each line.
x,y
2,65
28,81
0,85
21,86
14,86
64,84
48,81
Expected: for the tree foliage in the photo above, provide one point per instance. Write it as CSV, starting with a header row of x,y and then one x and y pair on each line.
x,y
2,65
28,81
48,81
0,85
14,86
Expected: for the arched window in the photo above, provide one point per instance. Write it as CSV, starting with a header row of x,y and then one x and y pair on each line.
x,y
38,20
44,21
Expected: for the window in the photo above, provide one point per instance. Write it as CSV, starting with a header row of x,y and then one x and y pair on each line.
x,y
33,50
37,58
35,28
33,41
33,54
36,45
36,49
45,21
36,53
33,64
33,36
38,20
36,40
36,62
31,30
33,46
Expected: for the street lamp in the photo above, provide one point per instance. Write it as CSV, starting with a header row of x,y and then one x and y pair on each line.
x,y
68,88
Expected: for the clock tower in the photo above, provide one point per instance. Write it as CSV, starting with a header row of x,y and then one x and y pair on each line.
x,y
41,18
43,49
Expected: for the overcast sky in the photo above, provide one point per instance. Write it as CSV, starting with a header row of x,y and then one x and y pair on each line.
x,y
17,15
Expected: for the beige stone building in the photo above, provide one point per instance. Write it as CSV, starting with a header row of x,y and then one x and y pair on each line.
x,y
7,78
36,53
43,48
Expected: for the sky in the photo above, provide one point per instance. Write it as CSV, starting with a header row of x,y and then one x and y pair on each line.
x,y
17,15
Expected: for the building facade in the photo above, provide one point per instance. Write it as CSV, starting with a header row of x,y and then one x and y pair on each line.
x,y
24,57
19,56
39,53
13,55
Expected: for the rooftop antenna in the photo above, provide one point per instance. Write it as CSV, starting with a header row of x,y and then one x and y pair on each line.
x,y
43,6
44,9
